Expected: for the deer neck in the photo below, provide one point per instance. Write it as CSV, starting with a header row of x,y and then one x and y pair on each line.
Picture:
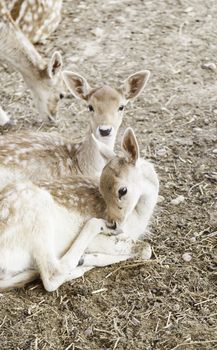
x,y
19,53
90,161
138,220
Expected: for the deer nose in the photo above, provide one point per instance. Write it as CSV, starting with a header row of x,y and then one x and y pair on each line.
x,y
112,225
105,130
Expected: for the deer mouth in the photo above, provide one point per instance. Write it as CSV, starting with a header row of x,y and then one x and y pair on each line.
x,y
105,132
112,225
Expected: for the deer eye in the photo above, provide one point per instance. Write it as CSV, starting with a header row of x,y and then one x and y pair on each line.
x,y
122,192
61,96
91,109
121,108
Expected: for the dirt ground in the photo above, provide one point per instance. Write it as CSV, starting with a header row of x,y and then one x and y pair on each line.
x,y
165,303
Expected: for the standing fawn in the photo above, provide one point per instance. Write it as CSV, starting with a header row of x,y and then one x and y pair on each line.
x,y
42,78
45,231
58,157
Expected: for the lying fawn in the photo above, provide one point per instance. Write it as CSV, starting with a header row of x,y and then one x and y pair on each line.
x,y
58,157
36,18
43,79
45,231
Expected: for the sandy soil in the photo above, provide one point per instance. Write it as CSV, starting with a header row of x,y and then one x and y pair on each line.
x,y
166,303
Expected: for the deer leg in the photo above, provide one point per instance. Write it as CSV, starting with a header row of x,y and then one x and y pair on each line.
x,y
90,230
100,260
70,260
106,250
89,260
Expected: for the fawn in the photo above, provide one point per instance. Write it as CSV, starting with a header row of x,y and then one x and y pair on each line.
x,y
46,230
42,78
58,157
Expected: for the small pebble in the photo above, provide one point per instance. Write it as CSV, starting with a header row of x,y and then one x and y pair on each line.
x,y
89,331
98,31
188,9
176,307
146,252
161,152
178,200
197,129
187,257
209,65
160,199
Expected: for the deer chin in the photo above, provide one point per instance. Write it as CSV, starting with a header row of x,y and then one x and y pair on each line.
x,y
108,140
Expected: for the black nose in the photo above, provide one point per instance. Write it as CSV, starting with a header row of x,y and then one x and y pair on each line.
x,y
112,225
105,132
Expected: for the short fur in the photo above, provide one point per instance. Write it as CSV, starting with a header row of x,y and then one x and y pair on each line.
x,y
42,78
48,229
58,157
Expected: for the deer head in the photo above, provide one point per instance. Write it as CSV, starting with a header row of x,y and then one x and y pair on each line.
x,y
122,181
43,79
106,104
47,90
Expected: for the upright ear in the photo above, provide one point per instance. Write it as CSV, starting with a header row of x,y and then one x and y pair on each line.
x,y
104,150
130,145
134,84
55,65
78,85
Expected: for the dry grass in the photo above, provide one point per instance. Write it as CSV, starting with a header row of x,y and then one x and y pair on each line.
x,y
166,303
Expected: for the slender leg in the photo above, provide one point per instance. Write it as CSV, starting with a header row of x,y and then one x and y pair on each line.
x,y
48,266
120,250
99,260
70,260
18,280
90,230
78,272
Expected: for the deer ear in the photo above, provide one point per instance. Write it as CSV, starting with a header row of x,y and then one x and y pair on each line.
x,y
104,150
130,145
134,84
55,65
77,84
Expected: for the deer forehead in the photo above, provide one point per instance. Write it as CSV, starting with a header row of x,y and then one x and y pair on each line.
x,y
105,96
115,173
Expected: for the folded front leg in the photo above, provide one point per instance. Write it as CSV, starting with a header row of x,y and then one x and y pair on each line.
x,y
91,229
106,250
70,260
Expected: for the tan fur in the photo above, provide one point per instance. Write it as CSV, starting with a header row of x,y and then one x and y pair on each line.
x,y
77,193
44,79
47,228
36,18
58,157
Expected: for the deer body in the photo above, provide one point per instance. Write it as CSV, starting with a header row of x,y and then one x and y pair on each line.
x,y
58,157
40,230
37,18
54,155
47,230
